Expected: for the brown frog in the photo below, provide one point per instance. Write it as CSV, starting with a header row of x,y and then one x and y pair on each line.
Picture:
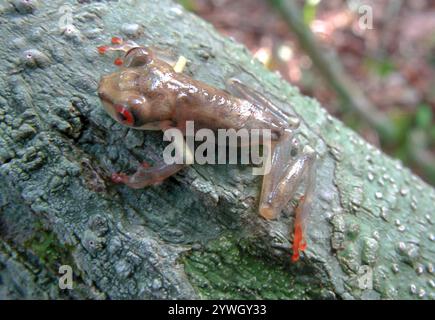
x,y
148,93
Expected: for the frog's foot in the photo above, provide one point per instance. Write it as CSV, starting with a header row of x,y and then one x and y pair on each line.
x,y
117,44
280,184
299,243
119,177
147,175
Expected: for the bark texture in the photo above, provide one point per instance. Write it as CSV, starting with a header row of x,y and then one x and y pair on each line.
x,y
198,235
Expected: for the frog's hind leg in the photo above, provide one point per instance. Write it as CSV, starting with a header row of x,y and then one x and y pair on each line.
x,y
288,172
238,89
280,185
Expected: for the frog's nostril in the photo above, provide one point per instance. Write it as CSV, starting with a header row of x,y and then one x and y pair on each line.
x,y
103,96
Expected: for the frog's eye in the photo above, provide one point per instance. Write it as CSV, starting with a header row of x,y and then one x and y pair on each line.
x,y
124,115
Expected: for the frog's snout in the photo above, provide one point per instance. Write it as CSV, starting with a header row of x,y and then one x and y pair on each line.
x,y
102,89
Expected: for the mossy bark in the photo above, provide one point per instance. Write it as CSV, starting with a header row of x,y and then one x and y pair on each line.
x,y
197,235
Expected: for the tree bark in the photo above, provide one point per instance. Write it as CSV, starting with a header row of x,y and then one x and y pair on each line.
x,y
197,235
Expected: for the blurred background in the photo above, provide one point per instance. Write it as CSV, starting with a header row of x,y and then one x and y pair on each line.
x,y
369,63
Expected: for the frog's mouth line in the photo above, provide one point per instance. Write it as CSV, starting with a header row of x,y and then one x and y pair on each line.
x,y
104,97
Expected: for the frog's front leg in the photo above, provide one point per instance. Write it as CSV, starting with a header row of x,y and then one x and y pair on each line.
x,y
146,176
136,56
140,56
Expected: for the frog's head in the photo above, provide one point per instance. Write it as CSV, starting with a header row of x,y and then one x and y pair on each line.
x,y
119,92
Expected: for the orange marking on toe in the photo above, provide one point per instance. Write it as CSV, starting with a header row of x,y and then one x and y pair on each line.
x,y
118,62
102,49
303,246
116,40
299,243
295,257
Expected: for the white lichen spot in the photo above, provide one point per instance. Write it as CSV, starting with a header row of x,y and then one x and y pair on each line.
x,y
421,293
384,213
430,268
177,10
376,235
365,280
404,191
413,288
419,269
402,246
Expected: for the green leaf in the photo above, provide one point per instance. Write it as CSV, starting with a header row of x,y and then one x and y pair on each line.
x,y
382,67
188,4
309,11
424,116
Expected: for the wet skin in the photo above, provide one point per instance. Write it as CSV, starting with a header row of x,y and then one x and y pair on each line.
x,y
147,93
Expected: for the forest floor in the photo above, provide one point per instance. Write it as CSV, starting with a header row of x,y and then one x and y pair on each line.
x,y
393,63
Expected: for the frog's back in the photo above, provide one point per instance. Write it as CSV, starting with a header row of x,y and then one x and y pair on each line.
x,y
217,109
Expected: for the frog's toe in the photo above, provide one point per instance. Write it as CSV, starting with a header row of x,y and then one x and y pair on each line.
x,y
145,165
119,177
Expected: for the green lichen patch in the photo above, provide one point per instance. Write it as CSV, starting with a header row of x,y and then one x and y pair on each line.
x,y
225,269
51,253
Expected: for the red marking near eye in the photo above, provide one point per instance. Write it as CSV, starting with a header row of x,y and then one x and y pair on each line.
x,y
118,62
116,40
102,49
124,115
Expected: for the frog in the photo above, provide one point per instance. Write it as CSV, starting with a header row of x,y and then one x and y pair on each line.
x,y
149,92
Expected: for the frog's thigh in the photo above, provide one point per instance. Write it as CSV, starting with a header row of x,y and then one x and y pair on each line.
x,y
238,89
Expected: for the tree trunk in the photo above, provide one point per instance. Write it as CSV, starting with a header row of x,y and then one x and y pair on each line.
x,y
197,235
